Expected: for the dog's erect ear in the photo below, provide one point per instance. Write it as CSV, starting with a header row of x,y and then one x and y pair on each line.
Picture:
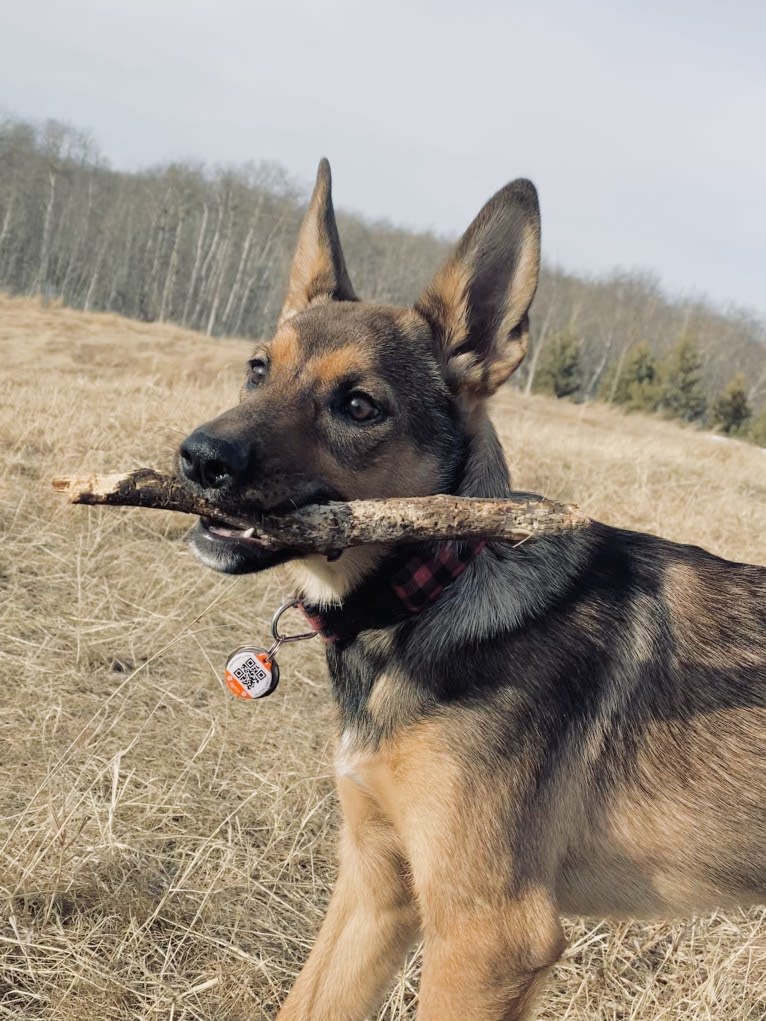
x,y
478,302
319,270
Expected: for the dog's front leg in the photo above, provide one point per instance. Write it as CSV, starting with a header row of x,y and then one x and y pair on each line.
x,y
487,963
370,922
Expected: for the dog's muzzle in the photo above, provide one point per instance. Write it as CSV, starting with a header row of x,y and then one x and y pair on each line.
x,y
221,465
227,468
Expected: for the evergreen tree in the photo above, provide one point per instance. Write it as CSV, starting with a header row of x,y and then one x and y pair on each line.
x,y
637,386
730,410
683,394
559,372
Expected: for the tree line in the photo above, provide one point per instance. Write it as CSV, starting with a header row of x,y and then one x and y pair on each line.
x,y
209,248
672,384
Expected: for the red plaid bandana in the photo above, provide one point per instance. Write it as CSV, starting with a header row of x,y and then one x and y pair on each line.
x,y
423,579
417,583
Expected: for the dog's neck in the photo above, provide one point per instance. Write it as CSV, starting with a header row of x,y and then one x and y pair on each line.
x,y
325,583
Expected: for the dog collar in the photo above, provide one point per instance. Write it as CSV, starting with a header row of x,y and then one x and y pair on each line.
x,y
399,589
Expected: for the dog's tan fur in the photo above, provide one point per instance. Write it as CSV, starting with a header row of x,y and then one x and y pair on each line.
x,y
592,739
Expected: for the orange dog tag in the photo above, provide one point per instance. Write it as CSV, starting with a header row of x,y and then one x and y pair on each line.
x,y
251,673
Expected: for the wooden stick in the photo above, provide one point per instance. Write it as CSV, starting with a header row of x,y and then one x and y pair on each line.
x,y
328,528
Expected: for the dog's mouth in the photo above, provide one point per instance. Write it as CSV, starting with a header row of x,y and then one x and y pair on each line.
x,y
234,550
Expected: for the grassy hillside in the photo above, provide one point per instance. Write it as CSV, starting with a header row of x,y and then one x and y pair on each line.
x,y
166,852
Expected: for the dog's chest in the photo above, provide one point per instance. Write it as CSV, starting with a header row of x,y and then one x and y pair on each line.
x,y
353,762
375,695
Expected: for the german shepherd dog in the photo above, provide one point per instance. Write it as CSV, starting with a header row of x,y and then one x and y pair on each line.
x,y
574,725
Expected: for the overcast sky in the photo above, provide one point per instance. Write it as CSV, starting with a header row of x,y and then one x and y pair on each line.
x,y
643,124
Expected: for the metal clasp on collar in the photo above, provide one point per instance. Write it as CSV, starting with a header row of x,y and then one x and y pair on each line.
x,y
282,639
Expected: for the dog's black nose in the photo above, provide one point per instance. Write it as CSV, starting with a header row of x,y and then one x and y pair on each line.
x,y
213,461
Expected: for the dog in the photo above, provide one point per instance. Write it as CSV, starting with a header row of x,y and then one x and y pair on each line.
x,y
575,725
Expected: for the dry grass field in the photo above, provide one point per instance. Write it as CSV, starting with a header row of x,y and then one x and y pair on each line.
x,y
165,851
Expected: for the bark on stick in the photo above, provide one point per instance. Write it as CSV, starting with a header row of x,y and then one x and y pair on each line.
x,y
328,528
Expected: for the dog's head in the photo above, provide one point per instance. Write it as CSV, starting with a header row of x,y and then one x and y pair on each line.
x,y
351,400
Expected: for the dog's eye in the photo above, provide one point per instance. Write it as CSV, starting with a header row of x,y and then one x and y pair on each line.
x,y
257,371
362,408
